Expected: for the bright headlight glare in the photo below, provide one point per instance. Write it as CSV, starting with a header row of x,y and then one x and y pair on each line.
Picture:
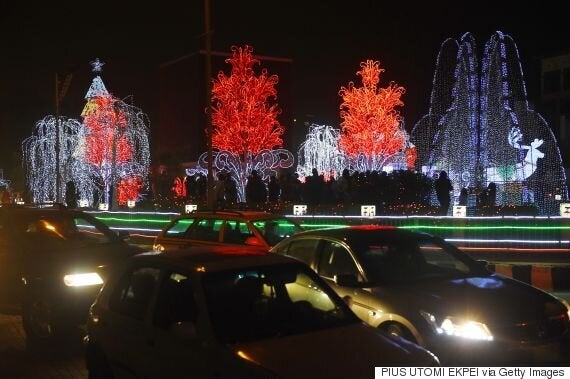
x,y
82,280
456,327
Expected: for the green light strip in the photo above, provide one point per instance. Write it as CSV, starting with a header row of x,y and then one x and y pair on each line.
x,y
328,225
484,227
117,219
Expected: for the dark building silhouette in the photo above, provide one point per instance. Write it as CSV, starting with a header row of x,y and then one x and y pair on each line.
x,y
555,99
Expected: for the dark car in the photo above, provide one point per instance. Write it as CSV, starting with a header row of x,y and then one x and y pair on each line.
x,y
225,228
213,312
424,289
53,262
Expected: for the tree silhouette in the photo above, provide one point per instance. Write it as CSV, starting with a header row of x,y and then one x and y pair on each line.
x,y
372,131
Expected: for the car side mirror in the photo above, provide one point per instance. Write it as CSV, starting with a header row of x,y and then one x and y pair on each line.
x,y
346,280
123,234
184,330
253,241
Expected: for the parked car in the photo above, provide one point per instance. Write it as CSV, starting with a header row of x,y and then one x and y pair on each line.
x,y
426,290
52,264
231,312
225,228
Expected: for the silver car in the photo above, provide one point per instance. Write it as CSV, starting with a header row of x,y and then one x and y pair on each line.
x,y
426,290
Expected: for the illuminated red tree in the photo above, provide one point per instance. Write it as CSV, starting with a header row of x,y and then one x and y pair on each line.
x,y
372,131
129,189
244,115
106,145
245,120
106,125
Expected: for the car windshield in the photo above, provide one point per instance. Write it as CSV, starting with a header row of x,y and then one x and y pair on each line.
x,y
414,259
271,301
57,231
276,229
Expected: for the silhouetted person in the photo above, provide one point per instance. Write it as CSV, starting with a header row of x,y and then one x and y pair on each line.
x,y
491,194
463,196
314,186
231,189
274,189
345,187
70,195
443,188
255,191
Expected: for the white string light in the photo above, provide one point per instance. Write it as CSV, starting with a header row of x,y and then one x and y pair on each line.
x,y
320,150
92,177
480,128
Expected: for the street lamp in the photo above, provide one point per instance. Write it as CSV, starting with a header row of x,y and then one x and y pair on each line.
x,y
208,36
59,95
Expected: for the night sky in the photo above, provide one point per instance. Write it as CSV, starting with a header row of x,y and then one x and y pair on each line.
x,y
326,40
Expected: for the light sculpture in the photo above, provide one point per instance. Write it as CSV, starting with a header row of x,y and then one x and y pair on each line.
x,y
320,150
109,149
247,134
39,156
115,148
480,128
372,131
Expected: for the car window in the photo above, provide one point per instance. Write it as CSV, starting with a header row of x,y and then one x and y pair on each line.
x,y
50,233
277,229
436,255
133,295
179,228
336,260
207,229
175,301
270,301
236,232
411,260
302,249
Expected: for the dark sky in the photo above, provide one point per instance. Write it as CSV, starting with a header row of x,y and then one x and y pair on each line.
x,y
326,40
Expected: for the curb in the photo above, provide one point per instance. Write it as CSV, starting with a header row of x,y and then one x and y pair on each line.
x,y
545,277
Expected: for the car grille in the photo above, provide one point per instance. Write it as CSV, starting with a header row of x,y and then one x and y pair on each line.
x,y
534,331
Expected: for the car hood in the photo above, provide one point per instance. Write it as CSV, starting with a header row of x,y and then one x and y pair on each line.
x,y
492,299
343,352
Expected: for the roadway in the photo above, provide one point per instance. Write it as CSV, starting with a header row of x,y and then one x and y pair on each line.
x,y
60,360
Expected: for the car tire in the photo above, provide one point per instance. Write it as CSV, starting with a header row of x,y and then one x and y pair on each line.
x,y
398,330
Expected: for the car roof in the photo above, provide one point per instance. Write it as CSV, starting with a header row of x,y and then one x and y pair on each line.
x,y
247,215
355,232
215,258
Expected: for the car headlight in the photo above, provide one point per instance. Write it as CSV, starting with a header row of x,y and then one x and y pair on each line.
x,y
458,327
82,280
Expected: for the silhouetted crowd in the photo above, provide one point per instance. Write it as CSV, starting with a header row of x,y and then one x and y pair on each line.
x,y
379,188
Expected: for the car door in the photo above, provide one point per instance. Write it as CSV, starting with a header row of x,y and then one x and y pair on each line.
x,y
123,329
335,259
205,232
175,335
236,232
175,235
